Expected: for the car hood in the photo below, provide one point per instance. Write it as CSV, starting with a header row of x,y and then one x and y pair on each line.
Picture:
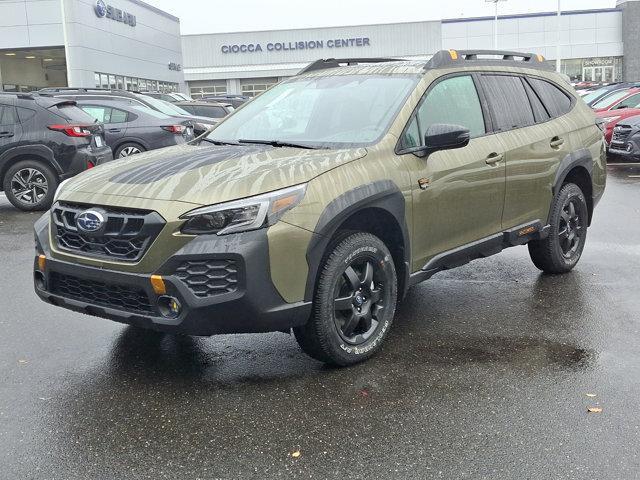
x,y
205,174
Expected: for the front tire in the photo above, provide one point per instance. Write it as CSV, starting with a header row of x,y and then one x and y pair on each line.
x,y
561,250
30,185
354,303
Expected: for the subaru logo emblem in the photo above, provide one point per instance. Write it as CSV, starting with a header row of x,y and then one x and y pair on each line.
x,y
101,8
90,221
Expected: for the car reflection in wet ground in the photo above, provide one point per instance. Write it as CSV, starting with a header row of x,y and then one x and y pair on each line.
x,y
488,373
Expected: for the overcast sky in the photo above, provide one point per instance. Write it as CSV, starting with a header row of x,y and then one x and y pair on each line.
x,y
209,16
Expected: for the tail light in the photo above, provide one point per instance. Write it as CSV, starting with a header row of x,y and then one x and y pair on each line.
x,y
90,164
176,129
71,130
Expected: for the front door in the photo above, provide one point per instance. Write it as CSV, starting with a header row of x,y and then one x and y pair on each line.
x,y
458,195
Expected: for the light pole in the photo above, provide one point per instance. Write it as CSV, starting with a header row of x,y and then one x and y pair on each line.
x,y
495,21
558,63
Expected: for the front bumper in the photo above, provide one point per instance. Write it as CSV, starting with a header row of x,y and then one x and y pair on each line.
x,y
627,148
250,305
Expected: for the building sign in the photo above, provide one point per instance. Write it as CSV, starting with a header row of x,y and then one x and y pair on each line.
x,y
301,45
108,11
176,67
598,62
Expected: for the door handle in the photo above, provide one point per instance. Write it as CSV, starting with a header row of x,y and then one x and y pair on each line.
x,y
494,158
6,134
556,142
114,130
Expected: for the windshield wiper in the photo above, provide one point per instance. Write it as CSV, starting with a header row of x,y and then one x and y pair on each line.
x,y
278,143
219,142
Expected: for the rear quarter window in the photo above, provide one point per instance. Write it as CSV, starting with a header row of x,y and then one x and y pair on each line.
x,y
555,100
509,102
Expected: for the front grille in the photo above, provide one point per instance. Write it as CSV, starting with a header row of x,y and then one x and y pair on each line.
x,y
125,237
120,297
621,134
206,278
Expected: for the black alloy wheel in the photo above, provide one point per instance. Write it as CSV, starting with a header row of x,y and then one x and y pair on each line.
x,y
571,229
358,303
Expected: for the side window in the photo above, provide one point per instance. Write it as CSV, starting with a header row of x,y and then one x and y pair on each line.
x,y
454,101
101,114
557,102
509,102
629,102
7,115
411,136
118,116
539,111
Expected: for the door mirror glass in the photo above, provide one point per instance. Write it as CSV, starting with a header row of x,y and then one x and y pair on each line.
x,y
443,136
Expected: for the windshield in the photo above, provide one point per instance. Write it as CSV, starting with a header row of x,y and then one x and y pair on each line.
x,y
165,107
610,99
333,111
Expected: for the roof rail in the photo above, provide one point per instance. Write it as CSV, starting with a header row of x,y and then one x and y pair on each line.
x,y
336,62
20,95
79,89
450,58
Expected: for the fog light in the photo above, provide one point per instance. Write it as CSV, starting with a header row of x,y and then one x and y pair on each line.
x,y
169,306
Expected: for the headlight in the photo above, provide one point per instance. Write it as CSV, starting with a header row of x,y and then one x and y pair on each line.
x,y
59,189
242,215
611,119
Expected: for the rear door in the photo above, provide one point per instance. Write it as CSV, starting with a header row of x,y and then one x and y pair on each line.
x,y
10,129
114,120
534,143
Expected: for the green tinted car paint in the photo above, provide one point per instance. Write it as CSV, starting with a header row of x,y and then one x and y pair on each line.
x,y
449,206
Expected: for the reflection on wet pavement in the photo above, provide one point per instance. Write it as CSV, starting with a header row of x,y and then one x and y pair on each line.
x,y
484,375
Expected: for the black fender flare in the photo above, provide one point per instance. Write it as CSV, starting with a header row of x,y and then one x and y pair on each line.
x,y
382,194
579,158
41,151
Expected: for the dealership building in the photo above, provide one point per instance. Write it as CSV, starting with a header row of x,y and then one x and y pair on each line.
x,y
88,43
593,45
130,44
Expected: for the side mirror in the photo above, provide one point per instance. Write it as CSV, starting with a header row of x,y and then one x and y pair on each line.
x,y
442,136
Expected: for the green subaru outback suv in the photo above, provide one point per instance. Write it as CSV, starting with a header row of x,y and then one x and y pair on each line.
x,y
316,206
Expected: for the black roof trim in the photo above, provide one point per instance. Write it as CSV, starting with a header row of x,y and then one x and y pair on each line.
x,y
337,62
453,58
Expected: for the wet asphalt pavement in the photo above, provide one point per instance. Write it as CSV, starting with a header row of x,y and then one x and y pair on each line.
x,y
485,375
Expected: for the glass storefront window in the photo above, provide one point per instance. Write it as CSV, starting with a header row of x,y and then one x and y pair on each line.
x,y
104,80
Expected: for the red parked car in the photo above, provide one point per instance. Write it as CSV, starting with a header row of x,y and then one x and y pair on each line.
x,y
618,100
611,119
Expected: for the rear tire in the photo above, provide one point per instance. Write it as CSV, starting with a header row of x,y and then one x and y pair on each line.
x,y
30,185
561,250
354,302
128,149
